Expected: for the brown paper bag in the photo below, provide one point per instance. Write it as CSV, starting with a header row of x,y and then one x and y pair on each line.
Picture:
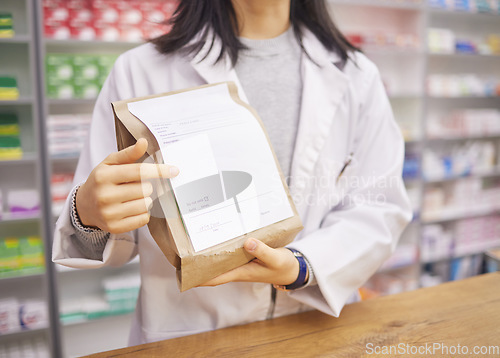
x,y
196,268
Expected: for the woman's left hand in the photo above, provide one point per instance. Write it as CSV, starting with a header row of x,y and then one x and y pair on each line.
x,y
276,266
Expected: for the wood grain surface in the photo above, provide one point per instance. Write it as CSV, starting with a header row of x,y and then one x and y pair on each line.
x,y
465,313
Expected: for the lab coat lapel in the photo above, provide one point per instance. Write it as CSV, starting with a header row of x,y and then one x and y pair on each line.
x,y
214,72
324,88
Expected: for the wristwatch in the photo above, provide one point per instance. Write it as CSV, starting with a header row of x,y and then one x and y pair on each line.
x,y
301,278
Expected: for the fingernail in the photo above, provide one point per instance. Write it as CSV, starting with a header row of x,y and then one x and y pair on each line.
x,y
149,203
251,245
174,171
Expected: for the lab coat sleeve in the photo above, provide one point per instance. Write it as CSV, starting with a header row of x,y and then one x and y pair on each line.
x,y
360,233
120,248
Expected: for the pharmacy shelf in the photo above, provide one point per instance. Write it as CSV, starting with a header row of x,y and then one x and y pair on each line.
x,y
380,4
458,215
413,141
392,51
459,56
22,333
65,269
71,101
463,138
88,47
27,158
413,180
66,159
5,277
91,43
405,96
468,14
461,256
77,322
21,101
478,174
17,39
458,98
10,218
398,267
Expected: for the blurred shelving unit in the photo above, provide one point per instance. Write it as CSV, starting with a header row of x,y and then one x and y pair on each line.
x,y
19,59
395,35
77,284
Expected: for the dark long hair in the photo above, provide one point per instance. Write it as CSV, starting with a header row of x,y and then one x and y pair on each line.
x,y
197,17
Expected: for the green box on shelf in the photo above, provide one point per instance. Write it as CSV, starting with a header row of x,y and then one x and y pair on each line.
x,y
9,255
60,89
10,147
86,67
6,19
9,125
8,88
86,89
31,251
59,67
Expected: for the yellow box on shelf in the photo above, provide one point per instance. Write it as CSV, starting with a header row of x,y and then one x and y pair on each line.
x,y
10,143
8,88
6,25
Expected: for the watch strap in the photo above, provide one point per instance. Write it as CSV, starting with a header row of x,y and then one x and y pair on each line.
x,y
301,277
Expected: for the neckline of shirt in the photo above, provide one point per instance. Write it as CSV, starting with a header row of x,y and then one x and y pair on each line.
x,y
286,42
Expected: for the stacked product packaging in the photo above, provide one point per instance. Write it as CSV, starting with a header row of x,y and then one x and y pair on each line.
x,y
25,348
6,25
79,76
61,185
462,85
21,255
480,6
473,157
67,134
462,197
18,316
8,88
107,20
400,41
10,142
120,297
444,41
23,203
484,122
456,269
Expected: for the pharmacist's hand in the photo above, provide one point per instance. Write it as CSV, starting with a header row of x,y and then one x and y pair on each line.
x,y
276,266
116,196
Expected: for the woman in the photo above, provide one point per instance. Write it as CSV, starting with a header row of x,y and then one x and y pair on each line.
x,y
331,125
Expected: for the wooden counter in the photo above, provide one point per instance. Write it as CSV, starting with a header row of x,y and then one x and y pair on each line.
x,y
465,312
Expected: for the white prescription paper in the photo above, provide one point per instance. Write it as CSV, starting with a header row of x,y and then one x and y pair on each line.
x,y
228,183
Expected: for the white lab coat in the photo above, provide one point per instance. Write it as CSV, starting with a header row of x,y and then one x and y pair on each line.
x,y
343,112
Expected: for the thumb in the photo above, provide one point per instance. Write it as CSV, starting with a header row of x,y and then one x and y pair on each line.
x,y
128,155
260,250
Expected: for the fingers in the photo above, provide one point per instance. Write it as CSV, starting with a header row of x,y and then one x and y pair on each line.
x,y
128,155
136,172
261,251
250,272
127,209
129,191
128,224
109,195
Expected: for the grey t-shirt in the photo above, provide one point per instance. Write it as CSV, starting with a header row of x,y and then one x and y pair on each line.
x,y
269,72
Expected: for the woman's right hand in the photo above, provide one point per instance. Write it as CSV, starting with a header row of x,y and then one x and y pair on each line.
x,y
116,196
